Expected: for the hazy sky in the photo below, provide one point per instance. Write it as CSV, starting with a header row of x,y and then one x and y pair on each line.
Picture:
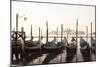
x,y
56,14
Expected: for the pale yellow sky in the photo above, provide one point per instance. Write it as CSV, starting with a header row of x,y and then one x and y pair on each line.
x,y
55,14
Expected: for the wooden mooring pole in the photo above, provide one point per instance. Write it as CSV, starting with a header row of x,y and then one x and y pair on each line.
x,y
87,33
39,35
91,32
31,33
57,33
16,33
23,45
47,32
91,41
16,22
23,38
76,39
61,32
67,33
16,30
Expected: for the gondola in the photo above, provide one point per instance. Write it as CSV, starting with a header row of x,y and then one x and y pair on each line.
x,y
32,46
85,50
50,47
93,45
84,46
71,47
71,50
53,46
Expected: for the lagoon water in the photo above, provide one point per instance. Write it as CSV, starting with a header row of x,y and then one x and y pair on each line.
x,y
58,57
62,57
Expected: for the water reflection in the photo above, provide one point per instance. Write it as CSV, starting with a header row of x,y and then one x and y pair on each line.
x,y
50,57
56,57
70,56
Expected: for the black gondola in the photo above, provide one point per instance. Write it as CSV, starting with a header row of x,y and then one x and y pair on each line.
x,y
93,45
53,46
32,46
85,50
71,47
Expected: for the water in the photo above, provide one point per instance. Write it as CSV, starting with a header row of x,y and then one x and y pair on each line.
x,y
58,57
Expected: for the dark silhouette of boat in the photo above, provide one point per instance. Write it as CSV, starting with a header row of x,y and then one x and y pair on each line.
x,y
69,57
85,49
32,46
71,47
53,46
93,45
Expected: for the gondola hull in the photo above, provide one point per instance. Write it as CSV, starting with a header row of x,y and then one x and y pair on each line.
x,y
49,50
32,50
32,47
93,50
85,50
86,53
71,50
